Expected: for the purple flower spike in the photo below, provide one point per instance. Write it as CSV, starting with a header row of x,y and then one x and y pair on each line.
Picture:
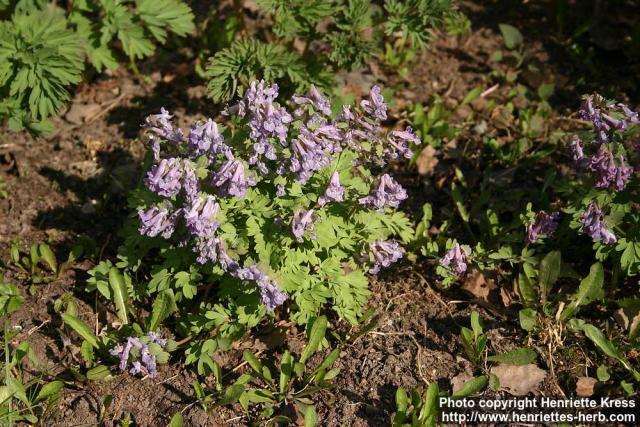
x,y
456,257
593,226
577,153
590,111
201,215
544,224
308,155
231,180
608,173
161,126
334,192
302,221
387,193
205,138
375,106
270,295
315,99
165,178
399,141
384,253
157,220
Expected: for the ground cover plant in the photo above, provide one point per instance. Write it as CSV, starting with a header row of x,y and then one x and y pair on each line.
x,y
458,220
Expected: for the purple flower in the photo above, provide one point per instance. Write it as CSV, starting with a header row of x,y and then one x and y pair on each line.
x,y
210,249
165,178
387,193
161,126
590,111
281,191
315,99
157,220
456,258
593,226
607,172
144,361
399,141
631,115
577,153
334,192
383,254
205,138
302,221
231,180
375,106
308,155
270,294
544,224
201,215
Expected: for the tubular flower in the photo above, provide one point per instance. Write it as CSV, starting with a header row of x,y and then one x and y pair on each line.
x,y
161,126
145,362
231,180
200,216
315,99
270,295
205,138
608,173
544,224
334,192
375,106
577,153
590,111
383,254
456,258
308,155
387,193
593,226
165,178
157,220
399,141
302,221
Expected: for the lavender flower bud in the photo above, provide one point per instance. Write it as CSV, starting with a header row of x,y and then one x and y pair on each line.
x,y
544,224
577,153
456,257
302,221
383,254
593,226
157,220
399,143
231,180
387,193
334,192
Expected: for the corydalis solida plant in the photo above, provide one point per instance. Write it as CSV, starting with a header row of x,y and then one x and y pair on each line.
x,y
280,204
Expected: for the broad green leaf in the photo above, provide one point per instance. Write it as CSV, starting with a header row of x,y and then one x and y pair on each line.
x,y
163,306
590,289
49,257
81,328
519,356
526,290
528,319
315,338
472,95
607,347
120,294
549,273
472,387
100,372
49,390
310,417
177,420
253,361
511,35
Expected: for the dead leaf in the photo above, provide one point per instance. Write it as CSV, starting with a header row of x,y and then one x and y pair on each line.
x,y
506,297
585,385
478,284
427,160
519,380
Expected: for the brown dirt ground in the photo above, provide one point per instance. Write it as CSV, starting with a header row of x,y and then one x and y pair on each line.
x,y
75,183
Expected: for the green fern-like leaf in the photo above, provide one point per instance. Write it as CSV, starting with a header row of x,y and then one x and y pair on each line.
x,y
231,69
160,16
415,19
295,18
39,58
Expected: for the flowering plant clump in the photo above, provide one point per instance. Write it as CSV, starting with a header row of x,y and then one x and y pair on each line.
x,y
142,355
279,206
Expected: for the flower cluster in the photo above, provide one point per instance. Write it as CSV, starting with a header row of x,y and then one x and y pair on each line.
x,y
207,181
544,223
607,162
456,258
137,357
594,226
